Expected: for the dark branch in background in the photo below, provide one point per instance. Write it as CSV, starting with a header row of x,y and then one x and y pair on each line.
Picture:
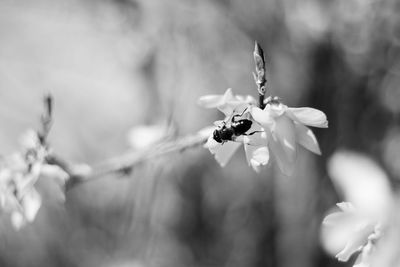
x,y
259,75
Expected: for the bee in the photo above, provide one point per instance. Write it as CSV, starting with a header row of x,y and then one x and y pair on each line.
x,y
229,132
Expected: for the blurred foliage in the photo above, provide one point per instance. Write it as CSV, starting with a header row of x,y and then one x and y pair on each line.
x,y
113,64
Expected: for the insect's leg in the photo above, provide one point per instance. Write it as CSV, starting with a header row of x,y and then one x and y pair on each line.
x,y
237,115
253,133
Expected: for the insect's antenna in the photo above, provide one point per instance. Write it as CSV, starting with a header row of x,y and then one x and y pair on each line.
x,y
243,112
237,115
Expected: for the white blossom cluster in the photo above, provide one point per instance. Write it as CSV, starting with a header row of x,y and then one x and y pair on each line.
x,y
19,173
363,235
276,130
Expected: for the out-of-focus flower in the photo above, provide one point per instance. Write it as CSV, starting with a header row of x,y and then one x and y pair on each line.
x,y
18,176
362,233
228,103
143,136
359,225
17,193
362,182
285,127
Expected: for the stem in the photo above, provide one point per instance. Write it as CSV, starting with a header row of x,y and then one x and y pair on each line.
x,y
259,75
123,163
126,162
261,101
46,119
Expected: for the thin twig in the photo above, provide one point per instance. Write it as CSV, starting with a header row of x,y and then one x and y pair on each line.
x,y
122,163
127,161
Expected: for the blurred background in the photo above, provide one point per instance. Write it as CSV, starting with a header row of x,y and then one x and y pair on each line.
x,y
116,64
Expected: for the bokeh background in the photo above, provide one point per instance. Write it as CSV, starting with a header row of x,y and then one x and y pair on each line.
x,y
115,64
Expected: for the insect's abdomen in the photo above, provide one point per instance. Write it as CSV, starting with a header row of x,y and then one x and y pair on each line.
x,y
242,126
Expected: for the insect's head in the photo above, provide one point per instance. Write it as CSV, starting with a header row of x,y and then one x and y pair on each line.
x,y
217,136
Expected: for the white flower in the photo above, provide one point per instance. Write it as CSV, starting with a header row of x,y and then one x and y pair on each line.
x,y
256,148
226,103
362,232
18,176
19,197
143,136
358,227
276,128
285,127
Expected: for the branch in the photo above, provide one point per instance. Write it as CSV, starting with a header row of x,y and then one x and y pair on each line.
x,y
126,162
130,159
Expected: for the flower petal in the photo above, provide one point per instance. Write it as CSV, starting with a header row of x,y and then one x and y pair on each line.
x,y
210,101
306,138
285,164
263,117
31,204
224,152
276,110
362,182
17,220
214,101
308,116
358,239
285,134
256,155
261,155
228,95
211,144
346,207
364,258
334,218
258,138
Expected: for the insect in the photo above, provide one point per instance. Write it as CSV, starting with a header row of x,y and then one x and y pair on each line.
x,y
234,129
